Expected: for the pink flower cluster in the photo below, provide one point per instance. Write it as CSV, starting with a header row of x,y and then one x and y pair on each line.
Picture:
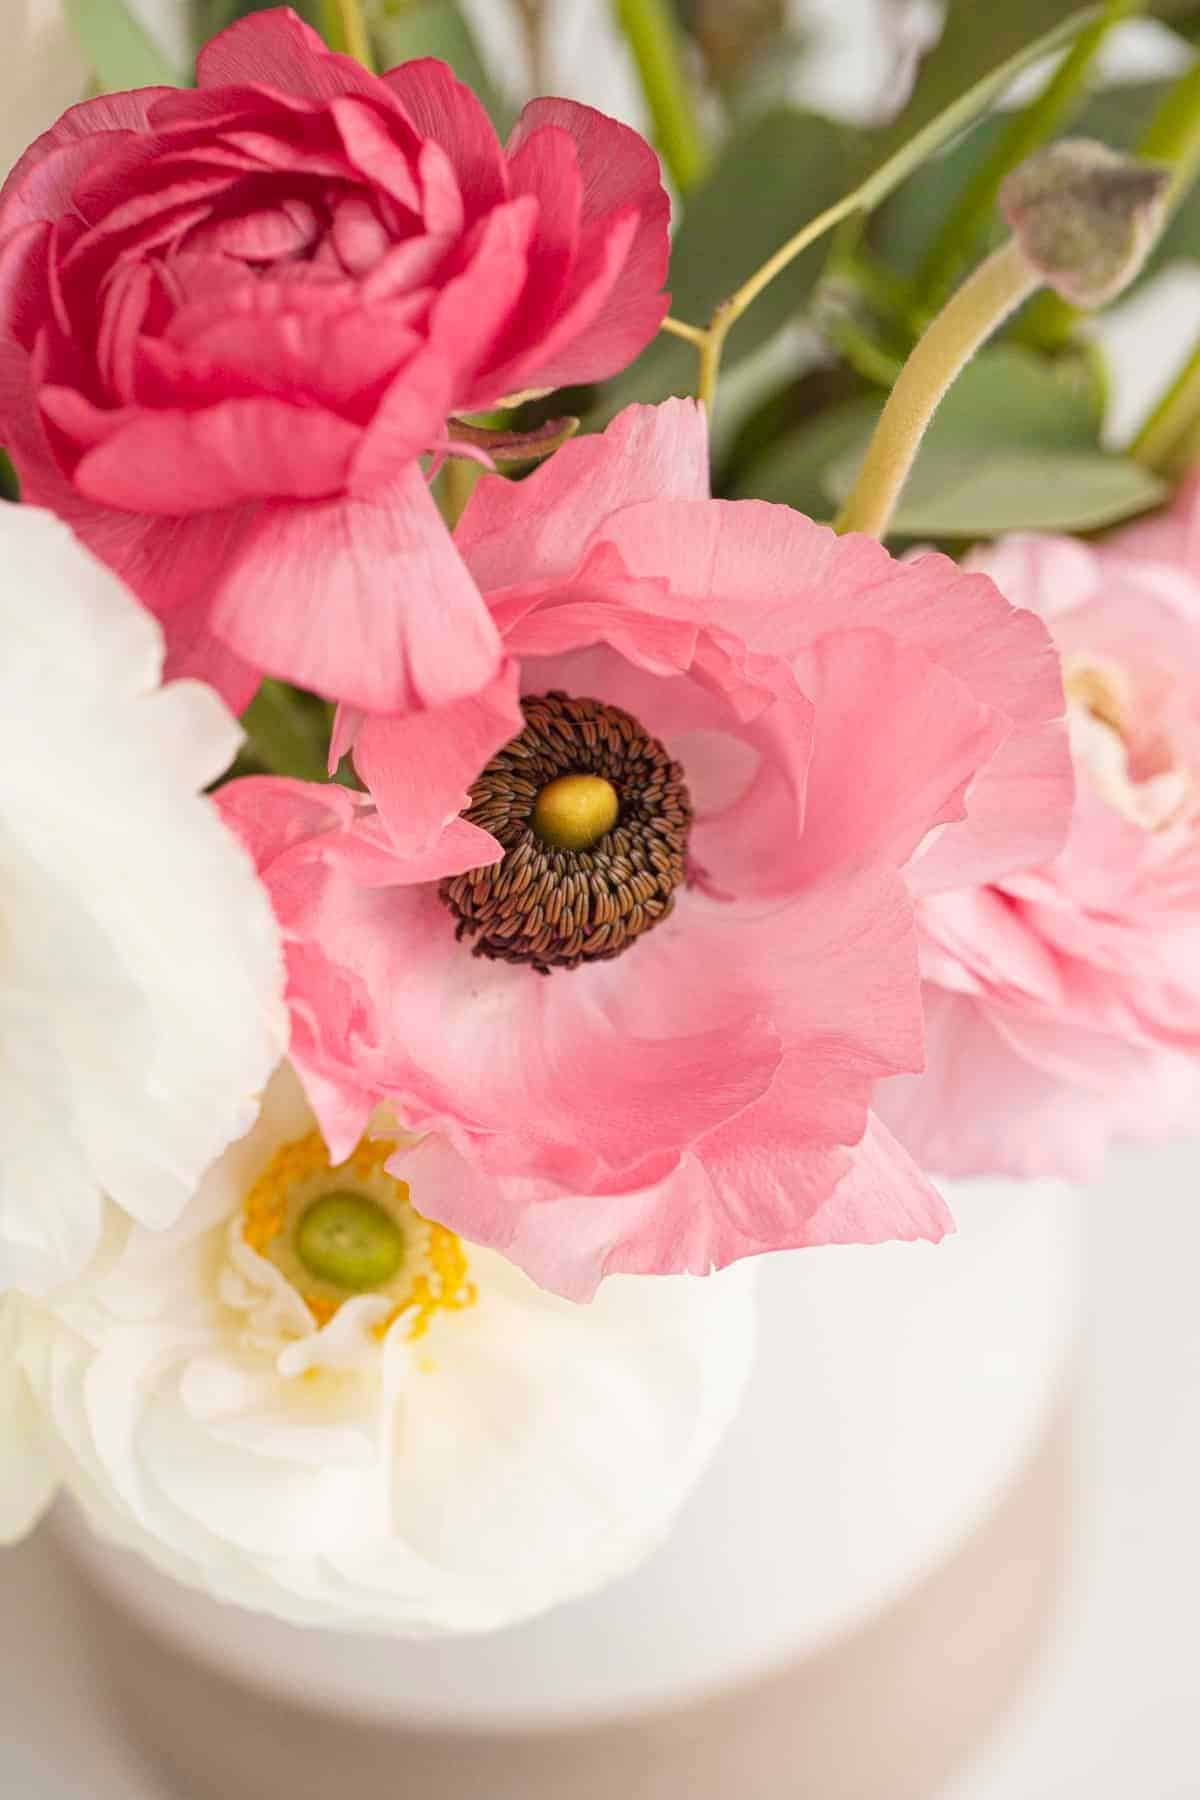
x,y
1062,1003
679,824
232,319
704,1092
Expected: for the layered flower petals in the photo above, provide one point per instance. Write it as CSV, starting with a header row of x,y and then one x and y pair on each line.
x,y
1063,1000
267,297
663,1052
373,1463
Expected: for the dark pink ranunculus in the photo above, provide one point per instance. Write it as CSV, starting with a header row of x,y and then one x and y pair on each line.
x,y
232,319
662,1053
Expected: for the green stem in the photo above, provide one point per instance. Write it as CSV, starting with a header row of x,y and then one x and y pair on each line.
x,y
1165,441
654,38
1172,137
965,228
345,29
287,732
995,290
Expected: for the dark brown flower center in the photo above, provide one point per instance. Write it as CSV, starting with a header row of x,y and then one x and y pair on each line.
x,y
562,896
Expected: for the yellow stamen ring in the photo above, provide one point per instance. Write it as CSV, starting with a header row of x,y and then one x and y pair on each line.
x,y
296,1216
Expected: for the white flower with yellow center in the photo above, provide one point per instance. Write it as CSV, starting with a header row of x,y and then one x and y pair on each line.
x,y
308,1399
141,986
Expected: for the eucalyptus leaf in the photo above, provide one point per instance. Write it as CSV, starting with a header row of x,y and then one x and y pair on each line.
x,y
1016,490
120,50
1013,447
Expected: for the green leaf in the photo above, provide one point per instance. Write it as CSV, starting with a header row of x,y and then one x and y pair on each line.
x,y
1013,447
1020,490
119,48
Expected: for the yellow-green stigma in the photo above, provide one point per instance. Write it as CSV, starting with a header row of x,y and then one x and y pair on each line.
x,y
575,811
349,1240
339,1230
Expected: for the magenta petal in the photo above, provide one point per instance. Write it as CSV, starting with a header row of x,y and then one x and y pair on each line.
x,y
419,768
276,49
175,462
441,108
372,146
465,318
367,602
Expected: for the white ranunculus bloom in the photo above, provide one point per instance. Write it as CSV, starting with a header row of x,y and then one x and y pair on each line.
x,y
307,1399
141,1008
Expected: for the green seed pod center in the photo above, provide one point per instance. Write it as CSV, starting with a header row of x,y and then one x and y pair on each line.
x,y
348,1240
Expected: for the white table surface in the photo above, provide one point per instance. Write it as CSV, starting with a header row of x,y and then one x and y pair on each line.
x,y
1114,1710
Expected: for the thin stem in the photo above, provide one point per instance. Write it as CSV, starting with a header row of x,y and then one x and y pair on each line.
x,y
731,310
1165,439
964,229
649,26
691,334
459,476
533,21
996,289
345,29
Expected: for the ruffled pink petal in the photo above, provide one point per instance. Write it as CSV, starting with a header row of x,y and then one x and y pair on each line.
x,y
898,742
419,767
620,172
382,149
750,1189
538,363
41,182
781,582
276,49
175,462
985,1106
441,108
364,601
467,315
540,527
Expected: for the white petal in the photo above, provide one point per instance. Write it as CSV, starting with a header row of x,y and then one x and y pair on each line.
x,y
132,927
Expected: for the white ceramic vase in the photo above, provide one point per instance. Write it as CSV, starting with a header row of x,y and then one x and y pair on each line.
x,y
845,1600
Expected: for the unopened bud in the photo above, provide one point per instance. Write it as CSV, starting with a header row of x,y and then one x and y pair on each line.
x,y
1085,216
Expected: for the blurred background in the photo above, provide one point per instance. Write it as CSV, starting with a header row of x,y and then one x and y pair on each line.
x,y
795,99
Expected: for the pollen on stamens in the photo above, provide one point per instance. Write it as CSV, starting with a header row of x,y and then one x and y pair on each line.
x,y
434,1275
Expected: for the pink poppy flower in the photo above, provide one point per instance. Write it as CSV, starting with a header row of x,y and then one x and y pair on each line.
x,y
1063,1002
628,934
232,319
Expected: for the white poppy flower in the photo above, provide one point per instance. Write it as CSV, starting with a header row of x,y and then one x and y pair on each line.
x,y
308,1399
141,1003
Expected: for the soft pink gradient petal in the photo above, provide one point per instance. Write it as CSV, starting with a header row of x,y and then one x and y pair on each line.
x,y
898,743
275,48
419,767
365,601
782,582
544,523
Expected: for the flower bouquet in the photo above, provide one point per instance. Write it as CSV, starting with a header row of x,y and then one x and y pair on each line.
x,y
619,874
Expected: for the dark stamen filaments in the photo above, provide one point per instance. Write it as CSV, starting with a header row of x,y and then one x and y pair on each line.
x,y
556,908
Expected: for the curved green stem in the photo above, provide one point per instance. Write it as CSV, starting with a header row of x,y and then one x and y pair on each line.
x,y
995,290
653,36
345,29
